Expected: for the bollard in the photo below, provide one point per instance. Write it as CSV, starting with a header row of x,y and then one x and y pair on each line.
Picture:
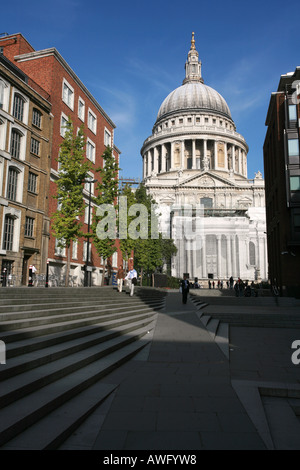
x,y
30,277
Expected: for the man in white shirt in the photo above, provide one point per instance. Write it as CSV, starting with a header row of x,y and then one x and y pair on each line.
x,y
132,278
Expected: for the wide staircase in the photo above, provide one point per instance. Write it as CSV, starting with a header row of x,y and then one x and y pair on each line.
x,y
59,343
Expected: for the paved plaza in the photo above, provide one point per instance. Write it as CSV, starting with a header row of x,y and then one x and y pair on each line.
x,y
186,391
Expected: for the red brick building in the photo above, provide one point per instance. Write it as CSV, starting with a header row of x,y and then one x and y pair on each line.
x,y
282,180
69,98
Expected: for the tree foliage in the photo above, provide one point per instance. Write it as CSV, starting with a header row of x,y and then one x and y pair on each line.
x,y
73,170
107,194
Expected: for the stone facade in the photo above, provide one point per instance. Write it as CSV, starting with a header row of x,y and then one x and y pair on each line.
x,y
195,157
25,147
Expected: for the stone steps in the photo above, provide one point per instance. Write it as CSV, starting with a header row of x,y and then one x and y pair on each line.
x,y
50,382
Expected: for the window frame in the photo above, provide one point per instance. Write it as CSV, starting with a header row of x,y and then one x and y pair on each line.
x,y
29,227
92,126
8,235
69,102
37,118
82,102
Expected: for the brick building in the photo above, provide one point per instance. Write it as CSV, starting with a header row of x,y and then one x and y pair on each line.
x,y
69,98
282,179
25,148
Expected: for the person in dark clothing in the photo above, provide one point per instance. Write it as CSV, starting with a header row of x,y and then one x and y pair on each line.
x,y
185,287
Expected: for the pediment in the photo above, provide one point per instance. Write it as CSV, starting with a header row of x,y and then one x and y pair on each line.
x,y
206,179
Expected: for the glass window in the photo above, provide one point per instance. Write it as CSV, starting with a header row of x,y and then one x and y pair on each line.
x,y
34,146
63,124
2,86
36,118
12,183
92,121
292,112
293,147
74,249
81,108
8,235
107,138
68,94
18,109
207,202
29,221
295,183
90,151
15,143
32,182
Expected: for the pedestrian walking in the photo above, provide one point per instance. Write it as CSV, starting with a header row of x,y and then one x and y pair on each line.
x,y
132,279
120,278
185,287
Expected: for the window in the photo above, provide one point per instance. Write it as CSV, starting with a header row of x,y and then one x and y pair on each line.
x,y
89,186
8,235
29,222
2,86
107,138
12,183
68,94
85,251
81,109
292,112
90,151
32,182
34,146
63,124
92,121
86,214
295,183
18,109
36,118
293,147
74,249
59,250
207,202
15,143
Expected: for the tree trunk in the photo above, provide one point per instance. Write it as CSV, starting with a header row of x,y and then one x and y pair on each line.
x,y
103,274
68,265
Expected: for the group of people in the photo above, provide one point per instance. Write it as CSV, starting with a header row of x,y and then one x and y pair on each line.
x,y
130,277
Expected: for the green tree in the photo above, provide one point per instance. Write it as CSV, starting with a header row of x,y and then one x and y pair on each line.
x,y
126,200
104,221
73,170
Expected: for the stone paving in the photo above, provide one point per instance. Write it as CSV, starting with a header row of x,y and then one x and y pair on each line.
x,y
182,392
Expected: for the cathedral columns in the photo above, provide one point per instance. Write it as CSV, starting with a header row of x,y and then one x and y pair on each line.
x,y
219,256
229,261
194,154
182,155
204,272
172,156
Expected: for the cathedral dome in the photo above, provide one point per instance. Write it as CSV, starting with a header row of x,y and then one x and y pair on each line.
x,y
193,96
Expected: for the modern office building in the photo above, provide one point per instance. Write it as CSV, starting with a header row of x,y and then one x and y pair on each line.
x,y
282,179
196,157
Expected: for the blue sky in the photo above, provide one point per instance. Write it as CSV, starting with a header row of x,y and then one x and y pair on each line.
x,y
131,55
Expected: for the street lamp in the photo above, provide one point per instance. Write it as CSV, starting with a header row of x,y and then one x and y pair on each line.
x,y
86,276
